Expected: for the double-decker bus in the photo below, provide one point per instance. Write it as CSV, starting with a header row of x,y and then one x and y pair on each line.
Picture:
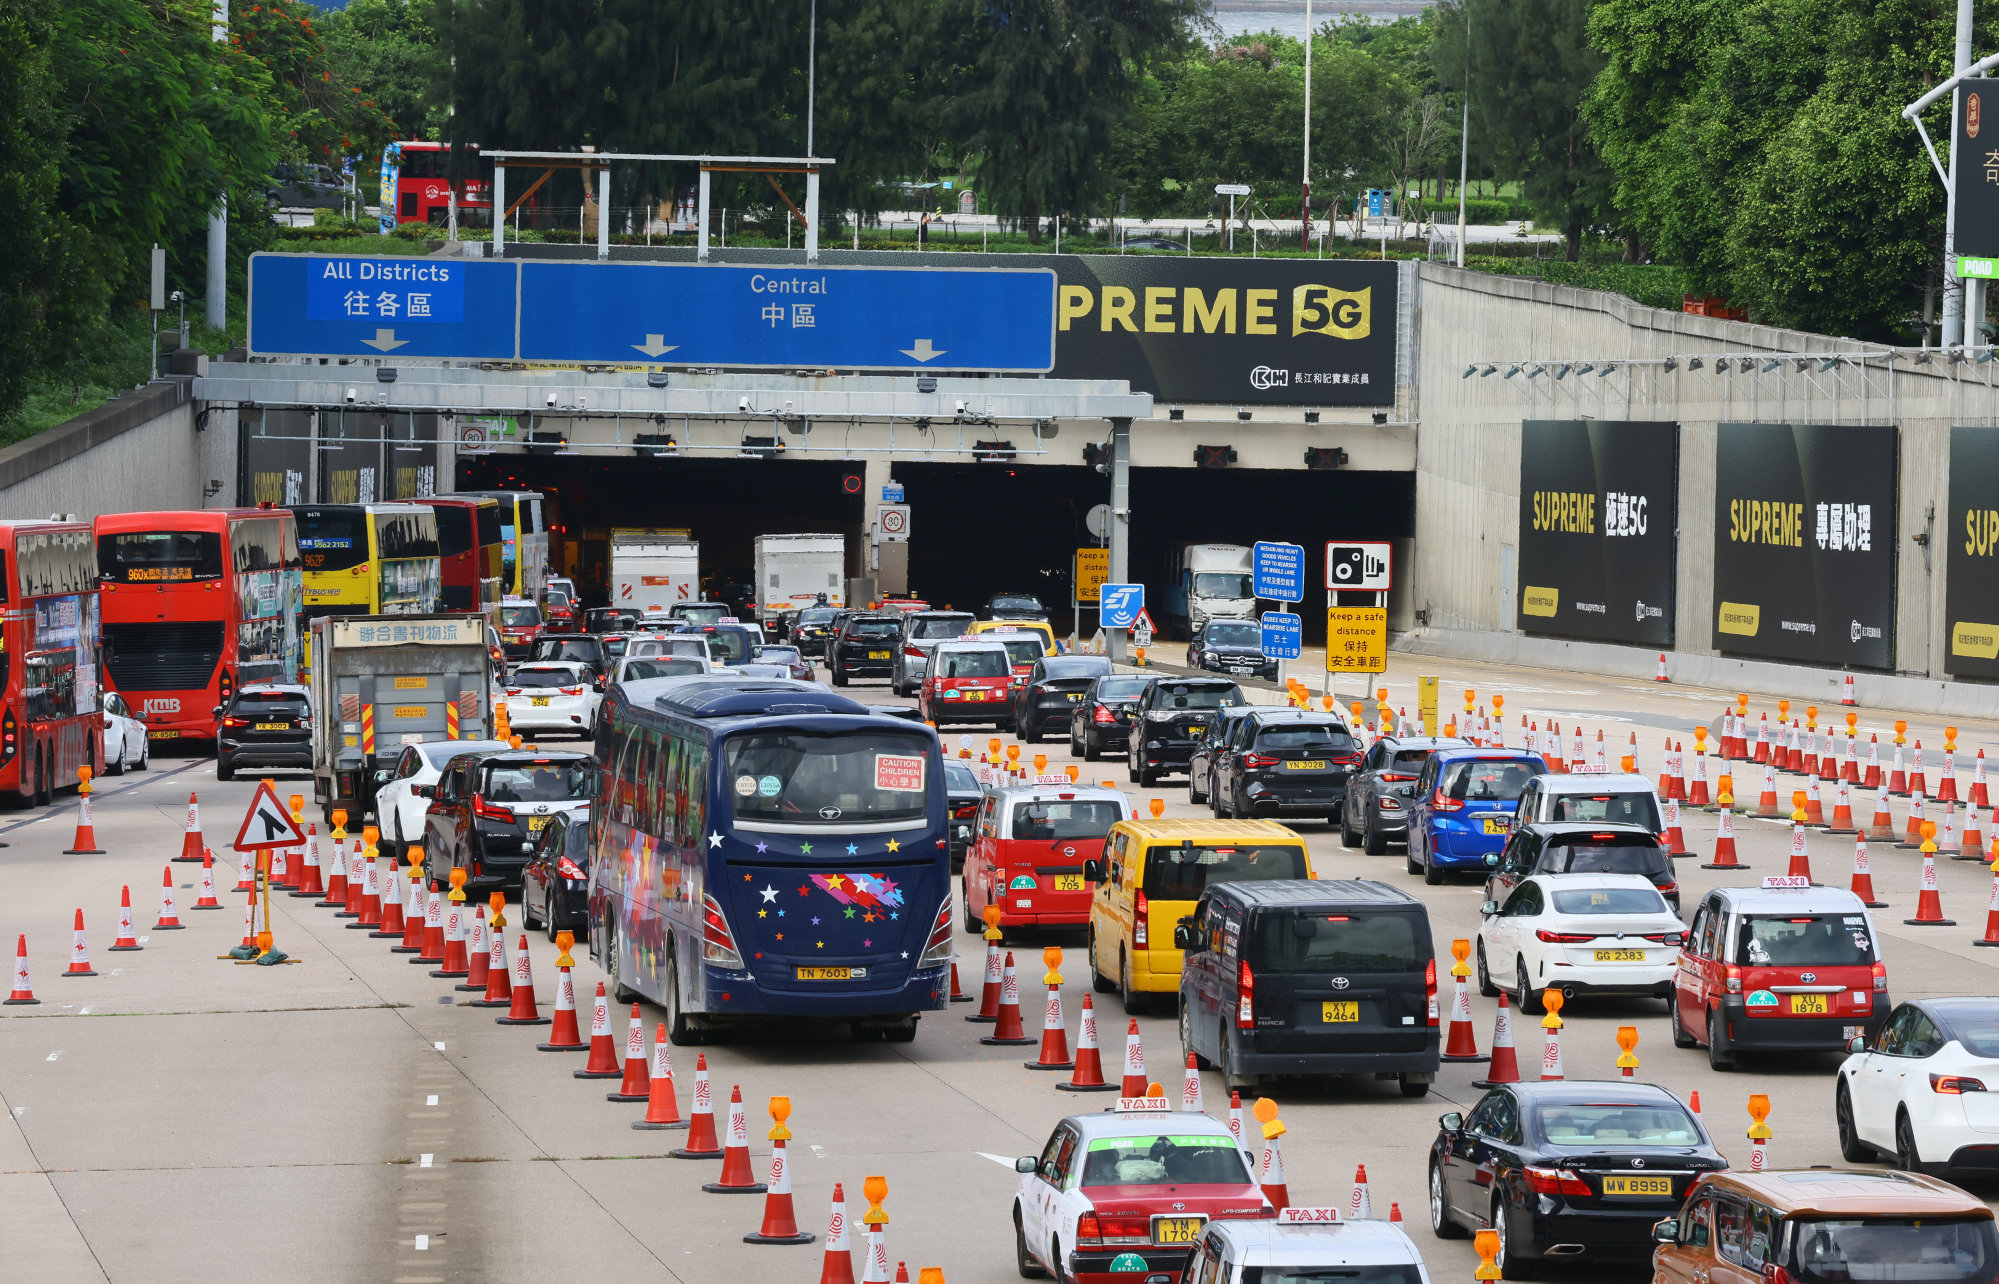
x,y
49,721
368,559
769,849
524,540
470,545
423,186
196,604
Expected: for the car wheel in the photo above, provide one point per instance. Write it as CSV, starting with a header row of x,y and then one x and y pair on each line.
x,y
1409,861
1441,1224
1433,873
1098,981
1486,988
528,920
1371,841
1907,1157
1194,794
839,678
1022,1259
1525,997
614,948
972,922
1851,1148
1681,1039
1136,1002
1718,1058
1232,1080
1512,1266
1215,797
224,770
116,766
145,755
1412,1088
1147,777
548,925
1187,1040
678,1031
1347,836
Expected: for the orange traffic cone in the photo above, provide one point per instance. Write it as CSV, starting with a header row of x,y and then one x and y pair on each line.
x,y
1724,839
1665,770
1766,802
1881,829
433,928
414,914
1459,1043
1912,835
1007,1031
365,875
1271,1176
125,940
1394,1213
392,903
701,1140
1863,877
23,992
780,1224
737,1177
351,902
1235,1121
1814,805
1972,845
192,844
499,983
989,998
1947,832
479,966
455,964
603,1063
205,889
1089,1074
563,1035
1979,796
1190,1088
957,995
1898,779
246,874
1929,906
309,884
1676,841
1842,812
1660,676
280,871
1134,1063
1992,911
1947,784
662,1107
1873,777
86,833
1763,739
79,952
1630,762
837,1267
636,1086
169,920
523,1011
1697,790
1054,1034
1505,1060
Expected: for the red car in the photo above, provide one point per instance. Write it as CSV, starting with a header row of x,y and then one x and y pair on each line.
x,y
967,681
520,625
1028,849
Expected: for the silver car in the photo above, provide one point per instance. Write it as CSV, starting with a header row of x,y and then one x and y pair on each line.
x,y
921,632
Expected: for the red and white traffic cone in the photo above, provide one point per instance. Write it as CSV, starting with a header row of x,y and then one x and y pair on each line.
x,y
1597,752
1235,1122
249,941
662,1105
192,845
1912,834
603,1063
23,992
126,940
1929,905
86,833
1505,1066
1917,782
1992,910
1629,763
523,1010
499,976
1947,784
1849,769
79,952
1801,859
701,1140
1872,777
1271,1175
350,902
391,886
1979,797
1660,676
1971,846
1810,764
1763,739
1676,841
1697,790
1551,1050
365,876
1089,1073
563,1036
1460,1044
780,1224
1360,1205
989,997
1054,1035
205,890
169,920
415,911
1846,695
1863,877
1008,1031
1190,1088
837,1267
1898,779
433,928
479,964
1814,805
1947,832
1766,802
1724,839
1665,770
1134,1063
281,872
309,883
957,995
1881,827
456,965
737,1177
636,1085
246,873
1842,812
874,1250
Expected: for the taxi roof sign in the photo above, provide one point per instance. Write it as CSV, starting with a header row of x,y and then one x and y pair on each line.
x,y
1308,1215
267,824
1787,882
1144,1106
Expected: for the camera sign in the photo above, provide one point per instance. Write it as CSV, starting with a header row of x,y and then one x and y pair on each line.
x,y
1359,566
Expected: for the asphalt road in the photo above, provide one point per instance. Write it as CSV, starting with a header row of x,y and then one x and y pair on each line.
x,y
179,1117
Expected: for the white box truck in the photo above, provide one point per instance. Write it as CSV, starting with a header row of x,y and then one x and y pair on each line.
x,y
654,570
797,571
1208,580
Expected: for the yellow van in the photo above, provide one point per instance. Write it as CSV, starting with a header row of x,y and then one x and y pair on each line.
x,y
1149,877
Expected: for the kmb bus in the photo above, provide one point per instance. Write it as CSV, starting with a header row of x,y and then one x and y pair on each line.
x,y
368,559
49,720
524,541
769,849
423,188
197,604
470,546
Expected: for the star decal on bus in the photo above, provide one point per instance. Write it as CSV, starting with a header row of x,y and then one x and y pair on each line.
x,y
894,846
715,839
805,849
769,893
763,913
853,850
762,848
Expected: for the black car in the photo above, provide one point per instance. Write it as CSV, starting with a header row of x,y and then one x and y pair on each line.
x,y
267,725
1053,693
1013,606
1570,1170
610,619
1201,763
555,882
486,809
962,793
1289,975
865,648
812,629
1102,721
1570,848
1234,647
1284,762
579,648
1377,807
1172,715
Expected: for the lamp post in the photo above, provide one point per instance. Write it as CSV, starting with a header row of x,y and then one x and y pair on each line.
x,y
1464,140
1305,200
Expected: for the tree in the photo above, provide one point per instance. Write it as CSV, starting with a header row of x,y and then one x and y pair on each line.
x,y
389,48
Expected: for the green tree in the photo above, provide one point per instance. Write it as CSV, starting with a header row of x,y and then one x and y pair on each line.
x,y
389,48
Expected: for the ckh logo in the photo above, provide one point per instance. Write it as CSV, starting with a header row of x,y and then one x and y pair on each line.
x,y
1265,377
1860,631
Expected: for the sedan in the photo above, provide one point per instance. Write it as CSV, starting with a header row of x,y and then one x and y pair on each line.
x,y
1380,795
551,696
1566,1170
1102,720
1594,933
1925,1092
1053,693
790,658
125,743
555,882
1234,647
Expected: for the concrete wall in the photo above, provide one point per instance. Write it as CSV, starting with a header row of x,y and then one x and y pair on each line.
x,y
144,449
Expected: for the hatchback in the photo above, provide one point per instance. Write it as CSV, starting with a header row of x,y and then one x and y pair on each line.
x,y
1463,808
863,648
263,726
1053,693
1594,933
547,696
967,682
485,809
555,881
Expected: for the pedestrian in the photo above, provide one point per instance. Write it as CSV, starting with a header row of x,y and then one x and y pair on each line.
x,y
923,230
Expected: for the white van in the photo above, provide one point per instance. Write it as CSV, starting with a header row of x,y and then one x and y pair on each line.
x,y
1591,798
1253,1251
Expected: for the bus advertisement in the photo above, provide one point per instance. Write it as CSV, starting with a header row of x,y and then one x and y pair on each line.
x,y
769,849
524,540
49,722
470,548
197,604
368,559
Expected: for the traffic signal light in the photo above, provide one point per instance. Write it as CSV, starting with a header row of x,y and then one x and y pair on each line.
x,y
1214,456
655,445
1325,457
851,483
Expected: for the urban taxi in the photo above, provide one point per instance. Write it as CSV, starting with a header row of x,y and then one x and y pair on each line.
x,y
1028,850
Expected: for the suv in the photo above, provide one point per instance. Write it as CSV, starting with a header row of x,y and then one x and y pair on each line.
x,y
486,807
267,725
1281,762
1580,849
700,612
1102,718
1307,977
1463,808
1213,743
864,648
812,630
586,649
1053,692
1234,647
1383,788
1171,717
967,681
921,632
1028,851
1592,798
1796,969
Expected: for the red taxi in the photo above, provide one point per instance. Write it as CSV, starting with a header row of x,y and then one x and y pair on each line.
x,y
1028,850
967,681
520,625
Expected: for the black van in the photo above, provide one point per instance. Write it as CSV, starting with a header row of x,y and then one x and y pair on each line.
x,y
1306,977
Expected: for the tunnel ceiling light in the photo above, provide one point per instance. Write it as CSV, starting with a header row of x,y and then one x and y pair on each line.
x,y
1672,364
1470,370
1584,368
1693,363
1772,364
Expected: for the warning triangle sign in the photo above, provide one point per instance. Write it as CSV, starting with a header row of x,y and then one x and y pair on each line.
x,y
267,824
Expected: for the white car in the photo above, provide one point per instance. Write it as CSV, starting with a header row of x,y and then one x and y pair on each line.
x,y
1600,933
398,810
552,695
1311,1249
1925,1094
635,668
690,644
125,742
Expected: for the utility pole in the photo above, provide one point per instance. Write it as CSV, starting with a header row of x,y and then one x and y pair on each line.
x,y
812,69
218,218
1953,288
1305,203
1464,141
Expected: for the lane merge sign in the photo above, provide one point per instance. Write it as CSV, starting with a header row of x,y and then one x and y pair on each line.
x,y
267,824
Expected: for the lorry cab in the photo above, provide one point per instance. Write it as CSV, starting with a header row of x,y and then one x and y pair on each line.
x,y
1210,580
1028,851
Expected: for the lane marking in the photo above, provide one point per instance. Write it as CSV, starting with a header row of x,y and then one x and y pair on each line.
x,y
422,1243
54,1055
431,1100
1001,1160
423,1161
83,1011
438,1046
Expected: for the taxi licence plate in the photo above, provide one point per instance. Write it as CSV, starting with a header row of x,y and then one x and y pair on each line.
x,y
537,823
975,695
1498,825
274,726
539,702
1615,1184
1620,956
1067,883
1177,1230
1306,764
825,973
1338,1010
1809,1004
877,655
1075,696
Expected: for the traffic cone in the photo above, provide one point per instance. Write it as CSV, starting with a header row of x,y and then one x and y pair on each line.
x,y
1763,739
1666,770
563,1035
280,871
1676,841
1190,1088
662,1106
1271,1174
499,977
1947,784
479,961
1794,753
874,1250
1929,906
1089,1073
1947,832
192,845
1766,802
205,890
1697,791
1972,845
125,940
246,873
1235,1120
1459,1043
1007,1031
957,995
23,992
1979,797
1394,1213
1054,1034
365,875
1810,763
523,1011
1360,1205
837,1267
737,1177
1898,779
1551,1050
1801,860
1842,813
989,998
456,965
1992,910
1134,1063
85,843
1724,839
1873,776
1846,690
249,941
433,928
603,1063
1660,676
780,1224
1679,772
701,1140
1917,782
1597,759
1863,877
1814,805
1912,834
1881,829
1829,760
389,880
79,952
309,884
1694,1106
414,914
1576,749
1505,1060
636,1086
169,920
1629,763
348,866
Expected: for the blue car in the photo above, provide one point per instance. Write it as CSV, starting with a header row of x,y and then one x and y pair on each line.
x,y
1464,805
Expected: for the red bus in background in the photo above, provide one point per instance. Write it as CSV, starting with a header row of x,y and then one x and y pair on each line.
x,y
196,604
470,544
49,719
423,188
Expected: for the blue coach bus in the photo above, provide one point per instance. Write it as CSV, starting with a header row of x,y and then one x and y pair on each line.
x,y
769,849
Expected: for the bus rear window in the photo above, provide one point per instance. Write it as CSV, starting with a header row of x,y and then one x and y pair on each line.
x,y
841,778
160,557
331,539
1180,873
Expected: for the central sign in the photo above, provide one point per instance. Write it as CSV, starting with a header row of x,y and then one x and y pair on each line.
x,y
1278,571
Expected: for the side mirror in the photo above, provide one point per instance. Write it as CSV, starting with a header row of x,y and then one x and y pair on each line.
x,y
1093,870
1858,1043
1452,1122
1492,858
1666,1231
1407,791
1026,1164
1489,908
218,710
424,791
1186,938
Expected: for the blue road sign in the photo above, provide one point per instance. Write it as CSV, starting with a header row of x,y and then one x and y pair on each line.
x,y
366,306
1283,635
1278,571
892,493
1119,604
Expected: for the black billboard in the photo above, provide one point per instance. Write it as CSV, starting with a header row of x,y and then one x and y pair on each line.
x,y
1971,559
1598,505
1263,331
274,457
1804,543
1977,157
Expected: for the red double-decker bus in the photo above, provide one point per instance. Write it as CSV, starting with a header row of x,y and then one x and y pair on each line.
x,y
423,187
469,545
196,604
49,719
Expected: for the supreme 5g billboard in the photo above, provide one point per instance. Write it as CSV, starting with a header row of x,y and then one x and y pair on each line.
x,y
1597,514
1804,543
1971,557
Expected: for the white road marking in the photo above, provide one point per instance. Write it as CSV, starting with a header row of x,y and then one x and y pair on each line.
x,y
818,1152
423,1161
438,1046
54,1055
144,939
83,1011
431,1100
19,1111
422,1243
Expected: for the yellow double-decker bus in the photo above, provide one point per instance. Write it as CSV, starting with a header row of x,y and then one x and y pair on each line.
x,y
369,559
523,540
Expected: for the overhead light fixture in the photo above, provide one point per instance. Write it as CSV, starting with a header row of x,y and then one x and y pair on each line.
x,y
1604,370
993,452
1923,357
1311,416
1772,364
655,445
1828,364
1720,365
763,447
655,378
1242,414
1470,370
1488,370
1694,363
1985,356
1381,416
385,374
1534,370
1176,414
1584,368
1672,364
1562,371
1511,371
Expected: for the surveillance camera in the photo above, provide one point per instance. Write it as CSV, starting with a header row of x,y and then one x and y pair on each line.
x,y
177,297
551,401
961,407
743,405
351,396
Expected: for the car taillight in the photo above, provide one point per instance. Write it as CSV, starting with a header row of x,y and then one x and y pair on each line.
x,y
1346,760
718,943
1103,717
1668,888
1089,1231
1430,989
1735,980
1664,938
913,652
941,940
1389,804
235,722
1245,1004
1954,1084
1260,760
1117,1229
1563,938
1440,803
1140,910
566,868
1880,978
513,691
491,811
1775,1274
570,690
1555,1181
964,811
1389,775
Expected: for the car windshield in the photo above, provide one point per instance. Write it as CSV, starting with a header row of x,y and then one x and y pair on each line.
x,y
1626,808
1054,821
1408,761
525,677
1487,780
816,615
1185,695
960,779
1234,633
701,614
973,664
1614,1123
1610,900
614,646
777,654
728,646
1024,650
537,782
581,650
1602,854
520,617
1233,584
1165,1161
1020,603
1339,943
1819,940
1121,688
1177,873
1898,1249
1078,666
1319,737
941,627
834,778
1374,1273
665,666
873,627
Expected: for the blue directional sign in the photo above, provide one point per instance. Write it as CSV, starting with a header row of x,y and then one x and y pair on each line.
x,y
370,306
1283,635
1278,571
1119,604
